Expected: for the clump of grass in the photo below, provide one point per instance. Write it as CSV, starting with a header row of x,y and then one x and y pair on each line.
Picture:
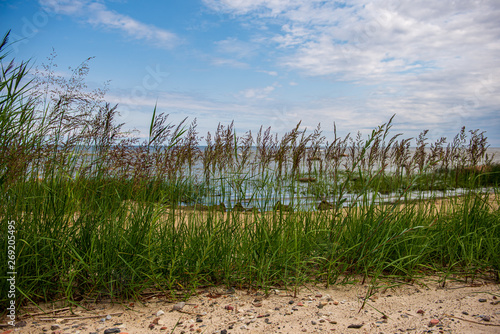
x,y
99,213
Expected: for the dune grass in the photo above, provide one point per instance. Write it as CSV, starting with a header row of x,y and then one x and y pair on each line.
x,y
100,214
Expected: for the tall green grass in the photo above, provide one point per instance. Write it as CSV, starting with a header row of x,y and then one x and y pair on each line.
x,y
101,215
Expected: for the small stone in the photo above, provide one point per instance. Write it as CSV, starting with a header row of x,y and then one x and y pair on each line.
x,y
335,302
164,328
243,327
433,322
319,295
160,313
485,318
465,313
199,320
54,327
112,330
151,326
178,306
421,312
483,300
313,322
300,304
229,307
322,304
224,331
108,317
355,326
291,302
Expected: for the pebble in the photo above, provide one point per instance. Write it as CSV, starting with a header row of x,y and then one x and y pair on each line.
x,y
160,313
322,304
54,327
178,306
108,317
433,322
314,322
483,300
355,326
485,318
243,327
224,331
112,330
421,312
335,302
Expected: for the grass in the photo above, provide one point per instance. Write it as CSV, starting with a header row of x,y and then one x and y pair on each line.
x,y
100,214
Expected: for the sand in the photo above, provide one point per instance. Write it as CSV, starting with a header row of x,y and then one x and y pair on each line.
x,y
423,306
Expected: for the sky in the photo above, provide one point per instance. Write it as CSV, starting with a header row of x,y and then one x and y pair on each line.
x,y
434,64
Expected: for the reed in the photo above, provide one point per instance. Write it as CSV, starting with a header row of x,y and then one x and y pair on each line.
x,y
101,214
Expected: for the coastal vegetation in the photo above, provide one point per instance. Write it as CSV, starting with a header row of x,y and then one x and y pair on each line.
x,y
100,213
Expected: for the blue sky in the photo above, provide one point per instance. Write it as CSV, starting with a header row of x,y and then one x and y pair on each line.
x,y
435,64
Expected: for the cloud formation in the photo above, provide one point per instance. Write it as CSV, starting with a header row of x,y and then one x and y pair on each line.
x,y
98,15
427,61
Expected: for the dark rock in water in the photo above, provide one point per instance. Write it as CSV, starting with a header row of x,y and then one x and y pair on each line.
x,y
238,207
221,207
324,205
281,207
307,179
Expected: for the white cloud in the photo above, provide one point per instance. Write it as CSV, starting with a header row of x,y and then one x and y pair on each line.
x,y
216,61
235,47
271,73
257,93
433,63
100,16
